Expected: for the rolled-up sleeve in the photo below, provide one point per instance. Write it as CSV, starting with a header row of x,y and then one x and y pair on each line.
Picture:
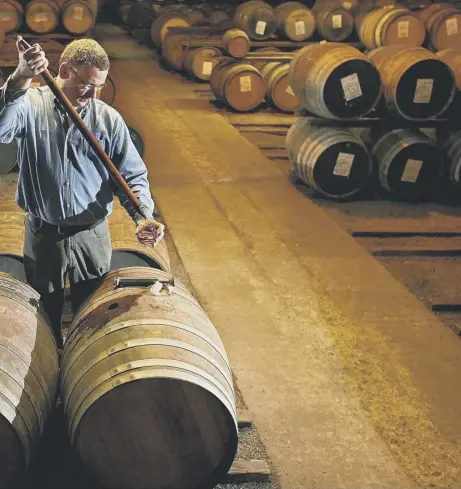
x,y
132,168
13,104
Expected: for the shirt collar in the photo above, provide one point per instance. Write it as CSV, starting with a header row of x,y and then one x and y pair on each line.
x,y
81,111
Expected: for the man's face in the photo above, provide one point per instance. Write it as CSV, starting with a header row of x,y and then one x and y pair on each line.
x,y
81,83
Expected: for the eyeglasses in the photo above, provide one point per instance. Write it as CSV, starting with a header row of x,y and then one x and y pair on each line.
x,y
86,86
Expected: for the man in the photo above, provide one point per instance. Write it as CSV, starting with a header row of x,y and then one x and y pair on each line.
x,y
62,184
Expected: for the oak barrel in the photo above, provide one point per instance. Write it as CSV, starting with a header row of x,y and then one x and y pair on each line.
x,y
42,16
11,15
417,85
268,51
200,62
452,58
141,15
236,43
334,80
28,376
78,16
347,4
162,23
148,373
295,21
195,15
443,23
219,15
257,19
334,162
173,49
127,251
391,26
408,162
451,151
333,23
238,84
12,240
277,81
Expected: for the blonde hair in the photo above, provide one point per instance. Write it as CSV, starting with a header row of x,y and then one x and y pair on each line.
x,y
85,52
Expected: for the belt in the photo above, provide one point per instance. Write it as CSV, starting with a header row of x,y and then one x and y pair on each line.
x,y
68,230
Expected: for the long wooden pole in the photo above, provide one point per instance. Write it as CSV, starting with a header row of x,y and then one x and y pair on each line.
x,y
86,133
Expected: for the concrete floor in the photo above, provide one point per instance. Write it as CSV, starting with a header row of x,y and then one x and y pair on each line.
x,y
351,382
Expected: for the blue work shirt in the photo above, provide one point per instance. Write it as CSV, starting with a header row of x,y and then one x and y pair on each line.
x,y
61,180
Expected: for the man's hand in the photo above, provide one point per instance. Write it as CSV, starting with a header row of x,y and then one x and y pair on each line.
x,y
32,62
150,232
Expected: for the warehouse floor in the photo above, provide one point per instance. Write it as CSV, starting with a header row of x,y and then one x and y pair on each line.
x,y
350,381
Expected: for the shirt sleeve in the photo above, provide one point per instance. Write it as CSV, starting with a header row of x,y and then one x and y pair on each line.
x,y
13,103
132,168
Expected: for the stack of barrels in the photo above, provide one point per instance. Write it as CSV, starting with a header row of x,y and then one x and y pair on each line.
x,y
335,81
45,16
143,367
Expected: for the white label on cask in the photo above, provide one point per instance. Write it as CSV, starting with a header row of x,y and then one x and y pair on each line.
x,y
337,21
260,27
41,17
403,29
290,91
245,83
452,26
423,91
300,28
78,13
343,164
411,171
207,68
5,17
351,87
347,5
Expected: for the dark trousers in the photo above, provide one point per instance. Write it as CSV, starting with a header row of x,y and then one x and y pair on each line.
x,y
50,252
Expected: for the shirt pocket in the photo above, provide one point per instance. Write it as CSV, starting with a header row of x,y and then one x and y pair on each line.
x,y
87,155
